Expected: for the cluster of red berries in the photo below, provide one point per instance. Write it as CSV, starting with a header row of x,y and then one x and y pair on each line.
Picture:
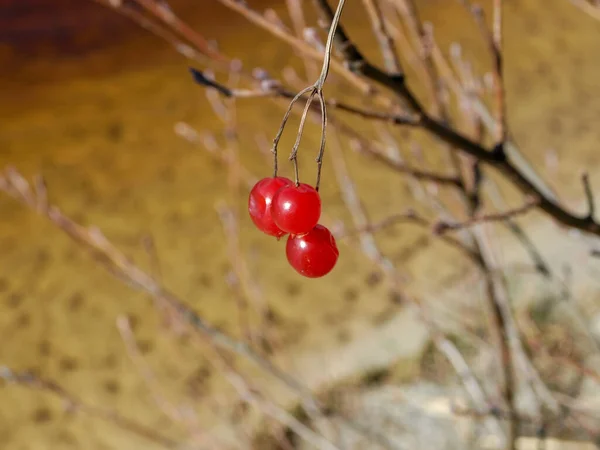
x,y
277,207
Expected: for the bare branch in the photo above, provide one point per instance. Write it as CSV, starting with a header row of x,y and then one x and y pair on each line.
x,y
413,218
520,177
386,43
494,38
442,227
495,157
174,413
73,403
119,265
301,46
271,88
589,195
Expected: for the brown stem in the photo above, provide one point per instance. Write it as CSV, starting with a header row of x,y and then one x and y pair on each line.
x,y
442,227
271,88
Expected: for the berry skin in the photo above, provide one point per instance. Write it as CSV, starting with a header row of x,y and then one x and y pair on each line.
x,y
296,209
313,254
260,202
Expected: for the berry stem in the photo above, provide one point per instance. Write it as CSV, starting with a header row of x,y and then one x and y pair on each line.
x,y
315,89
296,171
323,137
294,153
282,126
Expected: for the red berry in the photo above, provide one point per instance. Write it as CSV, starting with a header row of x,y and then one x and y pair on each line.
x,y
313,254
296,209
260,201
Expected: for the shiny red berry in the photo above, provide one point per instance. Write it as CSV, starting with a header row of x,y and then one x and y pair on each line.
x,y
313,254
260,202
296,209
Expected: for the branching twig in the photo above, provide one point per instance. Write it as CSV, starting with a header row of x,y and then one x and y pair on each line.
x,y
314,90
515,172
371,149
272,88
442,227
386,43
354,59
494,38
496,157
414,218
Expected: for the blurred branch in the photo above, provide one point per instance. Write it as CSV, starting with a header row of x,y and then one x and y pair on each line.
x,y
411,217
441,227
371,149
73,403
251,395
386,43
589,7
272,88
302,47
92,239
494,39
496,157
355,60
176,414
516,172
589,195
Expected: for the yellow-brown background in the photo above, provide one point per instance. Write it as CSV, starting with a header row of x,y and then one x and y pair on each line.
x,y
90,101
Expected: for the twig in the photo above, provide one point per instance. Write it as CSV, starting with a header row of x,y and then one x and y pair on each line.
x,y
386,43
499,69
442,227
241,277
522,177
372,251
173,412
119,265
410,217
161,11
272,88
422,37
252,396
371,149
506,333
496,157
589,195
297,15
301,46
515,171
354,59
241,282
377,151
73,403
184,39
467,378
359,216
499,203
494,38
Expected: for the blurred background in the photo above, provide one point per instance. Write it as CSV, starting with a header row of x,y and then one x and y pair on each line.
x,y
90,100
